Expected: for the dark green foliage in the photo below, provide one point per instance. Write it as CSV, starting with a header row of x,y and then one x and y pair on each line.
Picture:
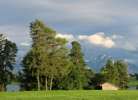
x,y
27,80
110,71
136,74
89,76
123,77
116,72
51,65
97,80
77,55
133,81
77,78
8,52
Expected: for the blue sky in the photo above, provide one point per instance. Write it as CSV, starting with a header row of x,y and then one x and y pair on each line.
x,y
107,27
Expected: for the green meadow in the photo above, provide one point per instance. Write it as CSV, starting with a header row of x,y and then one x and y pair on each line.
x,y
70,95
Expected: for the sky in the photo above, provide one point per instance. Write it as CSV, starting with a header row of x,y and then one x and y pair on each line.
x,y
103,27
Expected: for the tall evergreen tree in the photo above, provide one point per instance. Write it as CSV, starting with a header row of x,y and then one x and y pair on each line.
x,y
27,80
39,56
116,72
8,52
77,76
123,76
110,72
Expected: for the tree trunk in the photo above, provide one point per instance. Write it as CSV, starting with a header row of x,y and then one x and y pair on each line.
x,y
46,83
51,82
38,81
2,87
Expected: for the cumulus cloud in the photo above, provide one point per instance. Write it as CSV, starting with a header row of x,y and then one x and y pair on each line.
x,y
75,16
114,36
99,39
111,41
69,37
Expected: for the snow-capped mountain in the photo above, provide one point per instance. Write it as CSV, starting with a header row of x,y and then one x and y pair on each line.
x,y
95,62
98,62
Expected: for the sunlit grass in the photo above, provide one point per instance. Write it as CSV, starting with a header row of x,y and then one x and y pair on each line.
x,y
70,95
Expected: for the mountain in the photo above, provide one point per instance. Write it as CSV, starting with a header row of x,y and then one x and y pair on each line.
x,y
95,62
98,62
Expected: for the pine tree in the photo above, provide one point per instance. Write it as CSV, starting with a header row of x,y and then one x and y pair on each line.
x,y
116,72
110,72
8,52
123,76
26,77
77,76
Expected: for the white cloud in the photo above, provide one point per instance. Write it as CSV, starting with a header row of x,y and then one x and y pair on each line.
x,y
99,39
111,41
25,44
69,37
128,43
73,16
115,36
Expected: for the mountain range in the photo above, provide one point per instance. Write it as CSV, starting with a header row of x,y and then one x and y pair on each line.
x,y
94,62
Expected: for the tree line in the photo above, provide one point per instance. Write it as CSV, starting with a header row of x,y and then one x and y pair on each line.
x,y
51,65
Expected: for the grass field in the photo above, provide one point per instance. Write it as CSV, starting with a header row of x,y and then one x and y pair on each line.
x,y
133,83
71,95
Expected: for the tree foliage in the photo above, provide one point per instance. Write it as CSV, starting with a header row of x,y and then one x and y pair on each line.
x,y
48,58
77,78
51,65
116,72
123,75
8,52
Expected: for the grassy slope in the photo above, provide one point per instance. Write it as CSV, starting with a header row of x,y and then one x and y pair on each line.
x,y
71,95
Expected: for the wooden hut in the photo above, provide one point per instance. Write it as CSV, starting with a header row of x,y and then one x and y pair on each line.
x,y
109,86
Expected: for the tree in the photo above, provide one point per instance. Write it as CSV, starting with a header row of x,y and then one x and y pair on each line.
x,y
123,76
48,57
27,80
37,59
90,74
97,80
8,52
110,72
58,61
116,72
77,77
39,56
